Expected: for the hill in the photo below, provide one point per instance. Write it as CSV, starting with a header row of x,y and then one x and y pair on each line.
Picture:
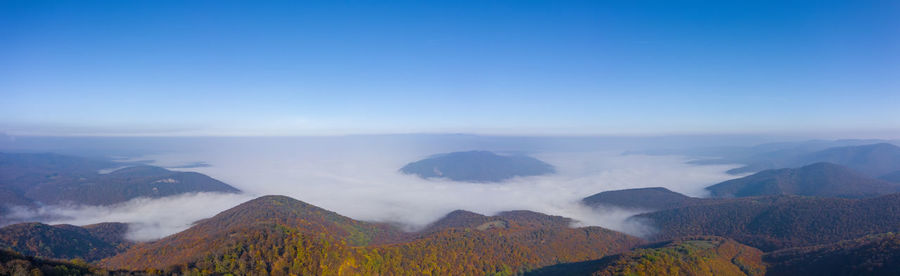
x,y
777,222
819,179
649,199
279,236
464,220
477,166
870,255
259,215
688,256
692,256
29,179
91,242
510,220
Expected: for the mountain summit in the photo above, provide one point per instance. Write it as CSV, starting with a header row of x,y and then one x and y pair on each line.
x,y
477,166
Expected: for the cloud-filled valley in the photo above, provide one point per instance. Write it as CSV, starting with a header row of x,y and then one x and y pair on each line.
x,y
360,179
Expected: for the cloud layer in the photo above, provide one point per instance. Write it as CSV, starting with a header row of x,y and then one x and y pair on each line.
x,y
148,219
360,180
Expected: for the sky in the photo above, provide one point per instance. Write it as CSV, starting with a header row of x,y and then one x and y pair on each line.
x,y
487,67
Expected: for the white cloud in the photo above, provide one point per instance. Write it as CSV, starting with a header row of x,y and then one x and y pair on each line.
x,y
148,219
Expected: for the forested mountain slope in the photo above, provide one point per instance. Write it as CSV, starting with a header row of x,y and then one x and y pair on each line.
x,y
819,179
776,222
706,255
870,255
282,236
90,242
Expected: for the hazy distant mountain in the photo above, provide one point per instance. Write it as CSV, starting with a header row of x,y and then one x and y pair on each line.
x,y
50,179
656,198
776,222
870,255
892,177
872,159
819,179
477,166
91,242
743,152
758,157
277,234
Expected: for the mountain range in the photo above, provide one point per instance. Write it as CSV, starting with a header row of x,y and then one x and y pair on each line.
x,y
836,216
777,222
873,160
29,179
277,235
818,179
292,237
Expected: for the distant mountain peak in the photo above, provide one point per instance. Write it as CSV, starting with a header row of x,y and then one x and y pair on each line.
x,y
653,198
477,166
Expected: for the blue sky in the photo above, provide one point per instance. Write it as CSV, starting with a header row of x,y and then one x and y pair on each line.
x,y
491,67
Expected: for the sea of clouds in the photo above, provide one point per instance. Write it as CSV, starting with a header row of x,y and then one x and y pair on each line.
x,y
360,179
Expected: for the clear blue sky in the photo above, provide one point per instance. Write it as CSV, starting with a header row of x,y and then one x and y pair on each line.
x,y
509,67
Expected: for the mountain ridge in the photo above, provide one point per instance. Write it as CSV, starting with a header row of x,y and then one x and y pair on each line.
x,y
523,241
818,179
39,179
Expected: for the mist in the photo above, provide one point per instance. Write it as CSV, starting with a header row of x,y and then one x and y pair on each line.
x,y
147,219
359,178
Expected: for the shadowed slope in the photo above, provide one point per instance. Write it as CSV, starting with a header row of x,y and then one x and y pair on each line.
x,y
91,242
776,222
689,256
871,255
820,179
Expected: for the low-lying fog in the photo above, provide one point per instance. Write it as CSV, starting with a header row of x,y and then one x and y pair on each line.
x,y
359,178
